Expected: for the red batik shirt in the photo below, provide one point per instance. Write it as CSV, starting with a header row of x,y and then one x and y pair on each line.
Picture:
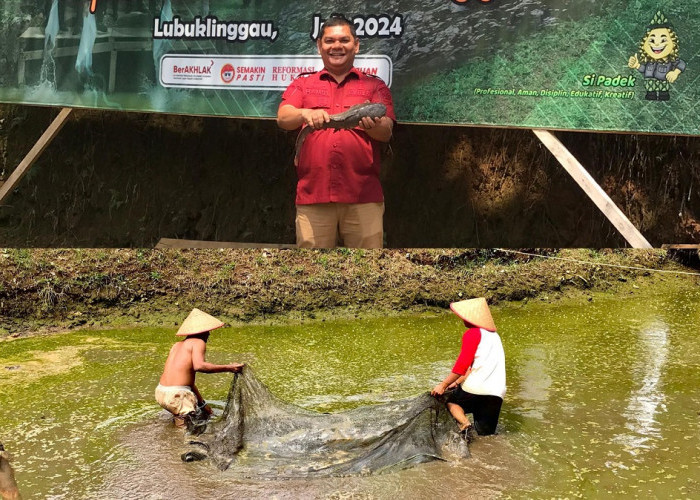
x,y
338,166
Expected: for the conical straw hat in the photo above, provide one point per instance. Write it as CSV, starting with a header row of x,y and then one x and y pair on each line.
x,y
475,312
198,322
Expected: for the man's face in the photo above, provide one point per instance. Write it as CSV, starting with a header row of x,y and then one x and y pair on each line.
x,y
659,43
338,47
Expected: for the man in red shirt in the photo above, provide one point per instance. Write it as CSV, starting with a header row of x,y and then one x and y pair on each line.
x,y
338,192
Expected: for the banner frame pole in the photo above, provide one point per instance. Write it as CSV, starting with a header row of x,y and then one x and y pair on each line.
x,y
597,195
51,131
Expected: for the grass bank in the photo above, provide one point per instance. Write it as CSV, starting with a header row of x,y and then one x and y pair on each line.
x,y
43,290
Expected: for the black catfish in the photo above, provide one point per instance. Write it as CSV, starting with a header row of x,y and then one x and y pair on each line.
x,y
345,120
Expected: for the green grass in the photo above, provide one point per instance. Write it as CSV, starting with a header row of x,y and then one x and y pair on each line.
x,y
557,59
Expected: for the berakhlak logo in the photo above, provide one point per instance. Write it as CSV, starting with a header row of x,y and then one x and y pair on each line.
x,y
228,73
659,59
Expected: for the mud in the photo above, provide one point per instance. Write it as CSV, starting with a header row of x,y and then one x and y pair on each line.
x,y
113,179
46,290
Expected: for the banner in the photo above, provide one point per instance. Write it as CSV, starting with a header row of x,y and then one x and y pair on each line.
x,y
618,65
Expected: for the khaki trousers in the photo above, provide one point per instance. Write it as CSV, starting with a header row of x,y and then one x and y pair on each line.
x,y
177,399
356,225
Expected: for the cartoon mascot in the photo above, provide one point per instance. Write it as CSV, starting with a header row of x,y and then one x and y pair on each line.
x,y
659,61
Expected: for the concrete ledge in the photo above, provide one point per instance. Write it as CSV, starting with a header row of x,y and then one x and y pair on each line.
x,y
689,246
178,243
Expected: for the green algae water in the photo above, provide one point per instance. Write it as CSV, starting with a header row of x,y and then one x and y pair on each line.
x,y
603,399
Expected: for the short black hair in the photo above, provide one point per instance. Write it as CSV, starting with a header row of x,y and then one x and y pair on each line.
x,y
337,20
203,335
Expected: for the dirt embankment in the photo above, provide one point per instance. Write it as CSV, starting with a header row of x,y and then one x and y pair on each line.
x,y
44,290
114,179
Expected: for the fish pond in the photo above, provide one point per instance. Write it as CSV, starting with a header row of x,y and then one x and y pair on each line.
x,y
603,399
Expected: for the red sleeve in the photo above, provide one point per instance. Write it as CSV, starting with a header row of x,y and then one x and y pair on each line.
x,y
470,341
294,94
383,94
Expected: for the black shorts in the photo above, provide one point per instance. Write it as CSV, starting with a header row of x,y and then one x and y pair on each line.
x,y
485,409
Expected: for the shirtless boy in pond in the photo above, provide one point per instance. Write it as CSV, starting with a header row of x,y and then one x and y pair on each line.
x,y
177,391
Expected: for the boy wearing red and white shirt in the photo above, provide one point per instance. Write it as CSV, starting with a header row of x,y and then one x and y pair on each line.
x,y
479,374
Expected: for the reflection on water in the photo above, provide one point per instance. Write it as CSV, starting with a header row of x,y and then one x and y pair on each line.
x,y
646,401
535,382
603,400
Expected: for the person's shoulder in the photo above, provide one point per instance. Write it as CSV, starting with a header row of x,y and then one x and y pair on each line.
x,y
365,74
306,74
302,79
472,332
376,81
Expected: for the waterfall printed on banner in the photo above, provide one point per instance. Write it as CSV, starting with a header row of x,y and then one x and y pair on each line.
x,y
83,63
51,30
48,63
161,46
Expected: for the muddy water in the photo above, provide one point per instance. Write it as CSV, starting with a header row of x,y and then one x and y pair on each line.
x,y
603,399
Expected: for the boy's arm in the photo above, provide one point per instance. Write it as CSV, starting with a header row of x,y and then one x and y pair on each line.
x,y
200,364
460,380
200,399
440,389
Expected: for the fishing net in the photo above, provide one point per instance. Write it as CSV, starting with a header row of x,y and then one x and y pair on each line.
x,y
260,435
